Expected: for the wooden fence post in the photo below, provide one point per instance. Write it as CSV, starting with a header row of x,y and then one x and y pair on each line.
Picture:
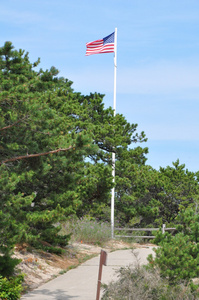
x,y
103,258
163,228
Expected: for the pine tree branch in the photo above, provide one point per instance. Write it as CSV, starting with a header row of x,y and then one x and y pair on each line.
x,y
35,155
14,124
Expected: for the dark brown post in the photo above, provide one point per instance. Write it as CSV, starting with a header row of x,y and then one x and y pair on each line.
x,y
103,257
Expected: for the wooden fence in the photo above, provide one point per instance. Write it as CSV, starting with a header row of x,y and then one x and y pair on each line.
x,y
164,228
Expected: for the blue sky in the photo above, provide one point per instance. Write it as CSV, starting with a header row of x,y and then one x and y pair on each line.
x,y
158,61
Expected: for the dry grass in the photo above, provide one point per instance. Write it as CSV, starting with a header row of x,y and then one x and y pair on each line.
x,y
141,283
87,230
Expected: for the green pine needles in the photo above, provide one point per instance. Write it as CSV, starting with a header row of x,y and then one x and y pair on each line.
x,y
178,255
56,161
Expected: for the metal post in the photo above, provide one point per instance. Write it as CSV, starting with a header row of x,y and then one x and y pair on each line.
x,y
113,154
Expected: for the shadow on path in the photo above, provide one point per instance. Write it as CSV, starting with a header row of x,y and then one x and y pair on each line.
x,y
56,294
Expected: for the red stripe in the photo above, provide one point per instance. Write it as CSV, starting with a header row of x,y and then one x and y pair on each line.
x,y
94,46
95,42
99,48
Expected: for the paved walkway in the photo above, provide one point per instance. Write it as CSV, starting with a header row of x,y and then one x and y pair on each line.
x,y
81,283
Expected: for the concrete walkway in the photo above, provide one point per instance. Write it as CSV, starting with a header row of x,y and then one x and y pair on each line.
x,y
81,283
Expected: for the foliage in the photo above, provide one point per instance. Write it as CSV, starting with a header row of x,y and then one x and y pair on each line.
x,y
10,289
55,161
147,197
55,152
177,257
8,264
27,213
138,283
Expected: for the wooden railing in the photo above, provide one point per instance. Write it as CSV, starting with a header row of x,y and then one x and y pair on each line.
x,y
164,228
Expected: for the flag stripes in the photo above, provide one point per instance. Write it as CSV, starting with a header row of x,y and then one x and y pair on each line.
x,y
105,45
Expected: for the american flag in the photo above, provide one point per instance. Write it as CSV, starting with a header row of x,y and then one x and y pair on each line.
x,y
105,45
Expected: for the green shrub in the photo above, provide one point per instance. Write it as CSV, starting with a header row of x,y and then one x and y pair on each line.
x,y
10,289
8,264
178,256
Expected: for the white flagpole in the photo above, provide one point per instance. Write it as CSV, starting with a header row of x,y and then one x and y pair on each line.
x,y
113,154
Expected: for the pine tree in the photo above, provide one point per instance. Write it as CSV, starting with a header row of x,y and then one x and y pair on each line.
x,y
55,151
37,137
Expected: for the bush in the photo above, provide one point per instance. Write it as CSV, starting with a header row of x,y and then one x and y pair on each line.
x,y
8,264
141,283
10,289
178,256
